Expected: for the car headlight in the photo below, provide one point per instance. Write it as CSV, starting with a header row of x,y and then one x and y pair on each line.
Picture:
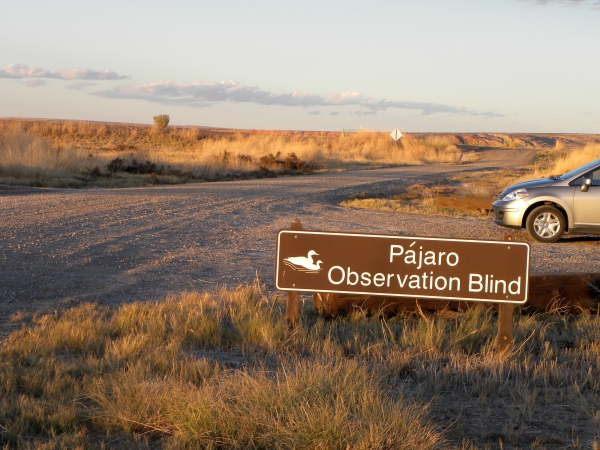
x,y
515,195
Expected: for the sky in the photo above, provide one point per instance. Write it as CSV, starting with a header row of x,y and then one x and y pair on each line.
x,y
430,65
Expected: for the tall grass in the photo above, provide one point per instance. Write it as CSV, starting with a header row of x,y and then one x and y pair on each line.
x,y
200,154
221,370
574,159
26,155
559,162
362,147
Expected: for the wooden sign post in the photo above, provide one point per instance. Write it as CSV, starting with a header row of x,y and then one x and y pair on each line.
x,y
292,308
505,312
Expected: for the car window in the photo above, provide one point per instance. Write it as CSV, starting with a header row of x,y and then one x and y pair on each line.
x,y
595,176
577,181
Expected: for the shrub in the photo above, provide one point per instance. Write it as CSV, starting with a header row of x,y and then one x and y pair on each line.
x,y
133,166
161,121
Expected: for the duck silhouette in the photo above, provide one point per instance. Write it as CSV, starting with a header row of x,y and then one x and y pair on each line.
x,y
315,267
304,263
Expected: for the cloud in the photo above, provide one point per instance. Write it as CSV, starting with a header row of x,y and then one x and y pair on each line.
x,y
16,70
591,4
87,74
364,113
315,112
205,93
22,71
35,83
334,113
80,85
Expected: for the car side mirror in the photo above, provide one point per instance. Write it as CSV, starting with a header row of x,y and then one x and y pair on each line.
x,y
587,182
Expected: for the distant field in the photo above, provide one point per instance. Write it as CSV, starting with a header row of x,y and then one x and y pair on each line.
x,y
76,154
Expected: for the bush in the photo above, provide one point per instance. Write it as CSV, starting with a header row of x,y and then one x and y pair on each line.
x,y
133,166
161,121
290,163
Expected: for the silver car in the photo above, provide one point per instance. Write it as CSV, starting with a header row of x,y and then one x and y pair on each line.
x,y
549,207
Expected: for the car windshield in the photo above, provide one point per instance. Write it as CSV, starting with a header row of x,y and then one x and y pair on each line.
x,y
580,169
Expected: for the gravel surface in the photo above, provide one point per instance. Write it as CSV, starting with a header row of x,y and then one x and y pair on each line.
x,y
59,247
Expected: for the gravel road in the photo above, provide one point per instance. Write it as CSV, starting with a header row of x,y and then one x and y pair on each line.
x,y
60,247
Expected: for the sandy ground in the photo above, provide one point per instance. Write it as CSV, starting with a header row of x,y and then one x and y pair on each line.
x,y
59,247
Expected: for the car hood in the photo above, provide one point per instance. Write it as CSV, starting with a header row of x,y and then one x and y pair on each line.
x,y
542,182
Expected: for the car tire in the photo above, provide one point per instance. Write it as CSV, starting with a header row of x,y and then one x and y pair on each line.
x,y
546,224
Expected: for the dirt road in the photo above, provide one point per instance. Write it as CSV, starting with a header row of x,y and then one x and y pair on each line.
x,y
111,246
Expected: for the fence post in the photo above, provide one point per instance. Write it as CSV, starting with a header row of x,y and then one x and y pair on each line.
x,y
292,309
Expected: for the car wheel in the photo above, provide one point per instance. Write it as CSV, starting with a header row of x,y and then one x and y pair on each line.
x,y
546,224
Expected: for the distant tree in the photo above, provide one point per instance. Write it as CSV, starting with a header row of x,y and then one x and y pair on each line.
x,y
161,121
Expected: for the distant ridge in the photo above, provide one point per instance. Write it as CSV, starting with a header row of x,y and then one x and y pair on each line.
x,y
481,139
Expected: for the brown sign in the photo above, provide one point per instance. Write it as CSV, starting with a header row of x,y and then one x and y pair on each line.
x,y
417,267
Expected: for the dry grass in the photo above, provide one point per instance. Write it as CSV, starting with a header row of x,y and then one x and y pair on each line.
x,y
423,199
197,371
566,162
556,161
25,155
81,152
221,370
547,163
424,205
480,185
